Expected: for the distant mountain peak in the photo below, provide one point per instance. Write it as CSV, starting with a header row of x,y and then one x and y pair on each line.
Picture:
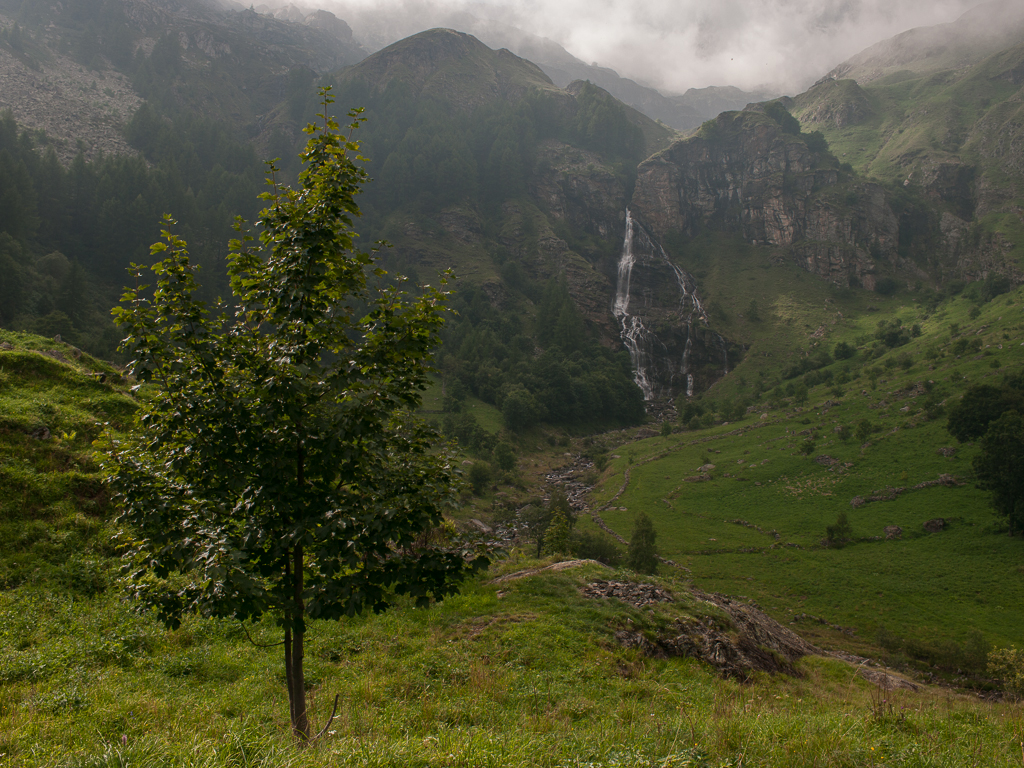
x,y
978,33
453,65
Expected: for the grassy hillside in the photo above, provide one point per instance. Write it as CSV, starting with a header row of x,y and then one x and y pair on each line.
x,y
512,673
523,673
54,519
871,427
953,134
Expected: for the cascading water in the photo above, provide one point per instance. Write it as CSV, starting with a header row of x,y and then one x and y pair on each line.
x,y
634,335
659,332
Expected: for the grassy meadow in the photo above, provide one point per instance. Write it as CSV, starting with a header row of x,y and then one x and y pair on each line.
x,y
528,672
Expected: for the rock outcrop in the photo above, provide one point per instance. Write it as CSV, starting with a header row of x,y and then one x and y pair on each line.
x,y
745,640
744,174
575,186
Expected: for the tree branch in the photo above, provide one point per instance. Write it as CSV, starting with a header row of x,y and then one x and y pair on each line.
x,y
330,720
259,645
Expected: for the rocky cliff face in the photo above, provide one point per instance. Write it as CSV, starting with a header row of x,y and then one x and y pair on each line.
x,y
575,186
744,174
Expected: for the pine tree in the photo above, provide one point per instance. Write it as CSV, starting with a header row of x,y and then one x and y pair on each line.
x,y
556,538
642,554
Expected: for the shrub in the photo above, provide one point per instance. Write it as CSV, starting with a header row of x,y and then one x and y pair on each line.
x,y
840,532
1008,665
556,537
505,457
892,333
479,477
843,351
596,546
966,346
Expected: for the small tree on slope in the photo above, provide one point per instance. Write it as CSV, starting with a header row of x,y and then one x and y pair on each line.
x,y
642,554
276,467
1000,467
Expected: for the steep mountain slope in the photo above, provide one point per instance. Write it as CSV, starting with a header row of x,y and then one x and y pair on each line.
x,y
85,57
745,174
938,112
485,166
376,29
976,35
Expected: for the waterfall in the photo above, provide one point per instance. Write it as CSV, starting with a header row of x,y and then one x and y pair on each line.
x,y
659,336
633,332
626,262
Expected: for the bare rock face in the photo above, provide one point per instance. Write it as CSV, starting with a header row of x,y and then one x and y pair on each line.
x,y
744,174
575,186
75,107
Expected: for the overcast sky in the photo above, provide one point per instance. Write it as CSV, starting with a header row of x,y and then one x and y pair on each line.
x,y
679,44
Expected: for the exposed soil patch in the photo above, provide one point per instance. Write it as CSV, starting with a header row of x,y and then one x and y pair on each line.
x,y
562,566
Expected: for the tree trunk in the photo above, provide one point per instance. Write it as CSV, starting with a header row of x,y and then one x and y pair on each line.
x,y
294,636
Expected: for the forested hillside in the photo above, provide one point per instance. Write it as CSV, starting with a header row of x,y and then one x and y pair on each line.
x,y
480,165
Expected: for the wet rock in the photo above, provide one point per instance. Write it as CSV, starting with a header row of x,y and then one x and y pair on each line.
x,y
935,525
663,322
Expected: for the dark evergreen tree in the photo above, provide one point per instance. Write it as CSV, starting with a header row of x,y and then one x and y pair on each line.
x,y
642,553
980,405
1000,467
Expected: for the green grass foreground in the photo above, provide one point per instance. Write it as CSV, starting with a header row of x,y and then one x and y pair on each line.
x,y
521,673
526,672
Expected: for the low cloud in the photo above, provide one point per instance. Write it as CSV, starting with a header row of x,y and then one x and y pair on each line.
x,y
676,44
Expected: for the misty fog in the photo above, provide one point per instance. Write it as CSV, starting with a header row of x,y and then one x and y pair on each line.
x,y
673,45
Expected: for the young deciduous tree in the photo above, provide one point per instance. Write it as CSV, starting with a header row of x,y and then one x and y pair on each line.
x,y
275,466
